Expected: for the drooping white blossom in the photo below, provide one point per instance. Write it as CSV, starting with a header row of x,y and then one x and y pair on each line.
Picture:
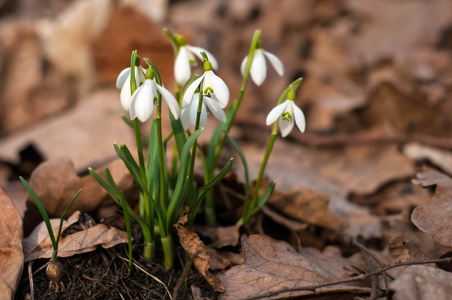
x,y
287,113
123,83
258,69
189,113
185,58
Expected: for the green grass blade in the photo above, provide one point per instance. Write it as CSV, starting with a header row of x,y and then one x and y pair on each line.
x,y
64,214
43,212
125,210
245,166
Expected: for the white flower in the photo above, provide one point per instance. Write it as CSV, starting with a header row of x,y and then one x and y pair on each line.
x,y
287,112
182,69
123,83
212,86
145,97
189,114
258,69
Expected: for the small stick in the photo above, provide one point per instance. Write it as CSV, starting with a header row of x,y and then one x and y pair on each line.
x,y
313,287
30,279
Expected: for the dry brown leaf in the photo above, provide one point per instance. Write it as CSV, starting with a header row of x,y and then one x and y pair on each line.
x,y
221,236
11,256
56,182
422,283
440,158
85,134
198,252
435,217
39,245
272,265
308,206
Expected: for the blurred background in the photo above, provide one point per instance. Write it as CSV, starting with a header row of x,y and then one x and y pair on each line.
x,y
376,72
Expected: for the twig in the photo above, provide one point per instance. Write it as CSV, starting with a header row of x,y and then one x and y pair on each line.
x,y
375,258
30,279
313,287
145,272
181,280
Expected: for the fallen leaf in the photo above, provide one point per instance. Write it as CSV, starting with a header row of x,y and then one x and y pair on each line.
x,y
422,283
65,183
435,217
11,256
308,206
221,236
440,158
39,245
272,265
198,252
85,134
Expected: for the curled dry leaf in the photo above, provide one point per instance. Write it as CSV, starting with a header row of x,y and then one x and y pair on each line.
x,y
221,236
11,256
56,182
423,283
272,265
198,252
39,245
440,158
435,217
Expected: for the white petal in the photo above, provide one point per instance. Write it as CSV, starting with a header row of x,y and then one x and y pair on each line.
x,y
194,112
185,117
182,70
275,113
170,100
258,67
142,104
125,95
285,126
220,89
190,91
276,62
215,109
243,65
197,51
122,77
139,75
299,118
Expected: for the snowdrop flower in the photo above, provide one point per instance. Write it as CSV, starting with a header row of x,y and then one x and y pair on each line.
x,y
259,66
185,58
123,83
287,112
145,98
212,86
189,114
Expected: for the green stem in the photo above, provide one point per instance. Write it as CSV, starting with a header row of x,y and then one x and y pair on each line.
x,y
161,156
210,201
168,250
149,250
268,151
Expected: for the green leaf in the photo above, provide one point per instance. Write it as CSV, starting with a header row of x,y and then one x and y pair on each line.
x,y
245,166
125,210
263,198
179,133
205,189
64,214
42,210
181,178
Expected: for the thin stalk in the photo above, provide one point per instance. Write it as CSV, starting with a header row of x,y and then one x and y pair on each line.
x,y
161,156
210,202
168,250
268,151
195,144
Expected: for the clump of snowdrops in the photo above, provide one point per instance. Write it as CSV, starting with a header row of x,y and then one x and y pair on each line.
x,y
164,189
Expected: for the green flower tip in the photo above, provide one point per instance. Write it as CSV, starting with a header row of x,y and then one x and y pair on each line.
x,y
258,44
180,40
291,94
207,65
150,73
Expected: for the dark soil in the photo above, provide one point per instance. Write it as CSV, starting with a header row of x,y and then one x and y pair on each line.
x,y
102,274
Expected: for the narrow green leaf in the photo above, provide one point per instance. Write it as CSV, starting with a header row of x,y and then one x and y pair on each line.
x,y
125,210
245,166
184,161
263,198
64,214
179,133
43,212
